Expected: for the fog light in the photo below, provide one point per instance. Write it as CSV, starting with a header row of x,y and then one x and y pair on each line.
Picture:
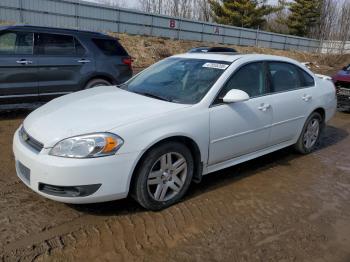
x,y
69,191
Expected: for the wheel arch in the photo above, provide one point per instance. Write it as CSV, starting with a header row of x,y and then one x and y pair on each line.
x,y
321,111
105,77
185,140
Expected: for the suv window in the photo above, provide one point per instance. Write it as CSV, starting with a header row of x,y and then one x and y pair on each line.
x,y
286,76
110,47
80,50
249,78
52,44
16,43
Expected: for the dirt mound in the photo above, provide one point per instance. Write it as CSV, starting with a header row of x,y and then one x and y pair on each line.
x,y
147,50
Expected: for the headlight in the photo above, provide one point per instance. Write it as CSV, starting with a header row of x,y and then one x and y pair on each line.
x,y
88,146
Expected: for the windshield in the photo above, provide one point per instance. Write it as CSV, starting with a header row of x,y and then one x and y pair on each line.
x,y
179,80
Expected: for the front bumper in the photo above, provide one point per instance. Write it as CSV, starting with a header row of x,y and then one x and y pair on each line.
x,y
112,173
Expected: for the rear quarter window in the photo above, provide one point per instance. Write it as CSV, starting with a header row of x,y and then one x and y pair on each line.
x,y
110,47
306,79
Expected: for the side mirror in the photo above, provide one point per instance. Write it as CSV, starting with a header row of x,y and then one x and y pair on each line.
x,y
235,95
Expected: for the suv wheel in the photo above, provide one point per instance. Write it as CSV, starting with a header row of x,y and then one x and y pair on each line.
x,y
97,82
164,176
310,135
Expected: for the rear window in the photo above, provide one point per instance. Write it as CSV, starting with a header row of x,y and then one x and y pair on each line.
x,y
110,47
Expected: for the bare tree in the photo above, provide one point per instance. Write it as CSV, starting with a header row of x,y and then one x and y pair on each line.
x,y
151,6
192,9
334,30
277,21
203,10
344,21
114,3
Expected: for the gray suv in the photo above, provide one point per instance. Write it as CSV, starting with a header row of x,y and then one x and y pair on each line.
x,y
38,64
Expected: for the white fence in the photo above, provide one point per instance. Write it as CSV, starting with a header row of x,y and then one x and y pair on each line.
x,y
334,47
89,16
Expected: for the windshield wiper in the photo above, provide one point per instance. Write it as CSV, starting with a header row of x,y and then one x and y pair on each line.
x,y
154,96
122,86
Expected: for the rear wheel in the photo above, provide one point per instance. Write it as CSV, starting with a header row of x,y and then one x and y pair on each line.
x,y
310,135
97,82
163,176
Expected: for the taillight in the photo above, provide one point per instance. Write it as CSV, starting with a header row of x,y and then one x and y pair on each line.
x,y
128,62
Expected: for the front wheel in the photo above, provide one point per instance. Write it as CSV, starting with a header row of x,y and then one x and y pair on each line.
x,y
163,176
310,134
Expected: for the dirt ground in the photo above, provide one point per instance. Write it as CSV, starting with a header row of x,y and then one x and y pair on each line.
x,y
280,207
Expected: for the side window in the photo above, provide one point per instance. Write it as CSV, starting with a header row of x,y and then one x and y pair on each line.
x,y
16,43
80,50
284,76
52,44
307,80
110,47
249,78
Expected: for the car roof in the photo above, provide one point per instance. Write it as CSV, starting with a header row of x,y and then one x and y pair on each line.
x,y
227,57
53,30
212,49
231,57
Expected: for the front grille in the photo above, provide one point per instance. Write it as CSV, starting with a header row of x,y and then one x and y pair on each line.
x,y
30,141
23,172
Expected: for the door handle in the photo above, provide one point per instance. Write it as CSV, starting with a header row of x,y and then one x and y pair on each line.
x,y
24,62
84,61
263,107
306,98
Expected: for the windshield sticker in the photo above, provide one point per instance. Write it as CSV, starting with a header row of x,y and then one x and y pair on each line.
x,y
216,66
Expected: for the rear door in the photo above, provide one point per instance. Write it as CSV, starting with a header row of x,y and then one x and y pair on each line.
x,y
63,64
18,68
292,98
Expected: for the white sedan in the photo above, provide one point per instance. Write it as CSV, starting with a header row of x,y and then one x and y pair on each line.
x,y
182,118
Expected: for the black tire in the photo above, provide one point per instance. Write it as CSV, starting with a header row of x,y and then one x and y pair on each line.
x,y
141,189
96,82
301,146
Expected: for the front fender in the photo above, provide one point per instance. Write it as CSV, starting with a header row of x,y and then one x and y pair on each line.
x,y
142,135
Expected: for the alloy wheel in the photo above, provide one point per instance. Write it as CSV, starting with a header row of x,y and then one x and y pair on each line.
x,y
311,133
167,176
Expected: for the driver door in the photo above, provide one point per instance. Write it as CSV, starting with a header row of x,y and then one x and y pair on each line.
x,y
241,128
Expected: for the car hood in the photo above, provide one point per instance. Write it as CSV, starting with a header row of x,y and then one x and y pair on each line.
x,y
95,110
